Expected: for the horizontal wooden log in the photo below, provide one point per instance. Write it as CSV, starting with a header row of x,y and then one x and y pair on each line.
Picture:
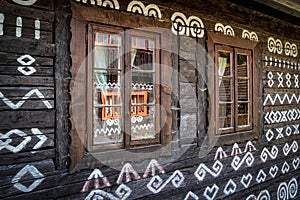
x,y
17,71
27,119
25,11
32,46
8,59
21,80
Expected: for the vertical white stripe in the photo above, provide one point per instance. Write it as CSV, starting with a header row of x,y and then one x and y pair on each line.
x,y
1,23
37,32
19,27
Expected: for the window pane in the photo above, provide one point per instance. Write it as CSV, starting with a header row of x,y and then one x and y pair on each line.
x,y
225,89
107,84
224,65
243,114
243,89
242,67
225,116
142,90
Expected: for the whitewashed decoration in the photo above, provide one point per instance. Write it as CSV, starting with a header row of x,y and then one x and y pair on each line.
x,y
286,131
26,60
249,147
37,25
275,62
19,27
261,176
246,180
202,169
266,153
220,154
249,35
282,116
211,192
230,187
156,184
237,162
107,131
34,172
296,162
290,49
150,10
127,170
1,23
152,166
113,4
139,127
25,2
263,195
269,135
191,195
285,168
236,150
275,46
96,174
122,193
290,148
18,105
193,26
26,139
270,81
227,30
273,171
272,99
287,191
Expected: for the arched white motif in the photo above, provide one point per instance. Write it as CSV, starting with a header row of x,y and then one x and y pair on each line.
x,y
192,26
25,3
249,35
290,49
294,50
196,27
179,23
287,48
227,30
136,7
151,10
19,27
1,23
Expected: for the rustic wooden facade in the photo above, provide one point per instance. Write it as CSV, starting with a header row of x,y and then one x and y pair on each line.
x,y
43,155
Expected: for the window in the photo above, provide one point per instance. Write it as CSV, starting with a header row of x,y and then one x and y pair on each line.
x,y
234,89
124,94
235,104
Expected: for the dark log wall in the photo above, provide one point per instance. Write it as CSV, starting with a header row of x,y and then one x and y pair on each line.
x,y
35,126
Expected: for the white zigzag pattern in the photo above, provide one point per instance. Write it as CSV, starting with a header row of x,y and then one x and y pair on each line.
x,y
142,127
27,96
282,116
107,131
286,98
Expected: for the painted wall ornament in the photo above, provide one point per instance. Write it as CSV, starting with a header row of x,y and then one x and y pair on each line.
x,y
192,26
226,30
202,170
246,180
96,174
266,153
113,4
150,10
287,190
290,49
275,45
152,167
263,195
249,35
156,184
211,192
122,193
127,170
25,2
36,174
237,162
220,154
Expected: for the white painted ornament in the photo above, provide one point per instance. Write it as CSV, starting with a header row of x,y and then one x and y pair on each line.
x,y
263,195
202,170
287,191
36,174
122,193
96,174
261,176
211,192
230,187
246,180
127,170
191,195
220,154
152,167
237,162
266,153
150,10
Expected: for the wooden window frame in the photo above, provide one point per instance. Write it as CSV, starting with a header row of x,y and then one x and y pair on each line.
x,y
81,156
242,134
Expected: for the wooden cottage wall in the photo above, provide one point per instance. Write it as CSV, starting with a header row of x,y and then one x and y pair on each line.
x,y
35,66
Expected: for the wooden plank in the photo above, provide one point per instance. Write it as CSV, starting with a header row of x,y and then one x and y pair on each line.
x,y
8,59
25,11
14,70
25,45
27,119
11,80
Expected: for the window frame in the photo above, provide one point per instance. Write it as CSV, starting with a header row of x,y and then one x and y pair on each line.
x,y
214,136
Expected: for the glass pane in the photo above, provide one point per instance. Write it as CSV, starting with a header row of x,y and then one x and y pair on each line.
x,y
225,89
107,84
243,114
225,116
142,53
143,122
242,67
107,51
243,89
224,66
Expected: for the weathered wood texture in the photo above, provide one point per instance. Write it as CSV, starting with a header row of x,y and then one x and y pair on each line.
x,y
35,128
